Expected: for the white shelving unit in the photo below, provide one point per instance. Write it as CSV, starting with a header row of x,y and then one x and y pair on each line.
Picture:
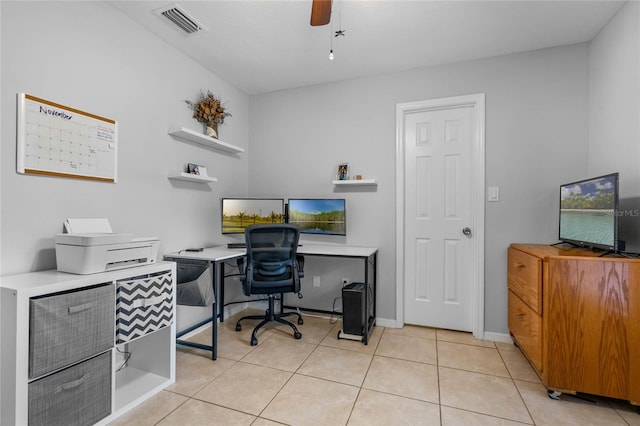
x,y
150,369
354,182
189,135
190,177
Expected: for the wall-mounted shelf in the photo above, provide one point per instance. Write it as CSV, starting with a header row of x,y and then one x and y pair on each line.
x,y
190,177
354,182
192,136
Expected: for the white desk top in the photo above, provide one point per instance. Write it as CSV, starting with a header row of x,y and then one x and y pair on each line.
x,y
218,253
211,254
336,250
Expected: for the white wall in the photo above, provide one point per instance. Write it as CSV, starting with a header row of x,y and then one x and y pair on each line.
x,y
536,138
614,114
90,56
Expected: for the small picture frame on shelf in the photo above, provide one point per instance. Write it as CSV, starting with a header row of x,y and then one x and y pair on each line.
x,y
192,168
343,171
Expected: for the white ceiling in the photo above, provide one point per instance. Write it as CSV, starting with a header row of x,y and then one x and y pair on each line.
x,y
264,46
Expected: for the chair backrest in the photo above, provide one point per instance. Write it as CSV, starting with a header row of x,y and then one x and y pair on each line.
x,y
271,259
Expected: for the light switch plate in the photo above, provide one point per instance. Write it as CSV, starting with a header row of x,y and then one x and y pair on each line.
x,y
493,193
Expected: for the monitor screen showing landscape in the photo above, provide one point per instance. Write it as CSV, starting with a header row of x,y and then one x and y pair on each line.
x,y
238,213
588,212
319,216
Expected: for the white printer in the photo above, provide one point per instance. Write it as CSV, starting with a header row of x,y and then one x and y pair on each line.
x,y
89,246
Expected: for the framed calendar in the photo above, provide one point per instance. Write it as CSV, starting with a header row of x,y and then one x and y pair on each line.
x,y
56,140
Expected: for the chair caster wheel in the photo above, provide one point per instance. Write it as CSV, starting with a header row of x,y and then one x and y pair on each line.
x,y
554,394
238,327
297,335
300,322
254,341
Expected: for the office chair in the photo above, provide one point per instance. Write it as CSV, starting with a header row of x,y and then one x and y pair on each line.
x,y
272,267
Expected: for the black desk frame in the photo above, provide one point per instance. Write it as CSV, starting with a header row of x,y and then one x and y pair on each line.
x,y
218,273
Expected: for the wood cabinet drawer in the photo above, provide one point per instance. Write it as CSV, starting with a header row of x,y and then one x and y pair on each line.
x,y
524,273
526,327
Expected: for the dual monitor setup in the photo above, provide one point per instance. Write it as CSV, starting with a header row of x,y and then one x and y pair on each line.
x,y
326,216
589,213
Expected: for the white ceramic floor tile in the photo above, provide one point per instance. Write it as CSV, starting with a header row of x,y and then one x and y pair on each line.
x,y
456,417
482,393
198,413
310,401
471,358
338,365
407,347
245,387
404,378
399,378
280,353
379,409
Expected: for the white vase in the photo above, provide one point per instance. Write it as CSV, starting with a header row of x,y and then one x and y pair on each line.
x,y
211,131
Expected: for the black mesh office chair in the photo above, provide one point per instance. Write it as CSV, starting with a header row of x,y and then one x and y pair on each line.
x,y
272,268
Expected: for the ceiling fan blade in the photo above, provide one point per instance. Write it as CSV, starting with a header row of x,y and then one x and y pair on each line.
x,y
320,12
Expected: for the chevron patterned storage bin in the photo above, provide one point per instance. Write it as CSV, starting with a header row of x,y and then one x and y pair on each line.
x,y
143,305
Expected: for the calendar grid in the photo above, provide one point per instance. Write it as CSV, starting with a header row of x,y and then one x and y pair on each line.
x,y
55,140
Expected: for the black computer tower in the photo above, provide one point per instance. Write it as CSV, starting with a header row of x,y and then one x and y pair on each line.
x,y
354,308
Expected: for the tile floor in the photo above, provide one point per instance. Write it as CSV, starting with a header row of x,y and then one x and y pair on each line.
x,y
409,376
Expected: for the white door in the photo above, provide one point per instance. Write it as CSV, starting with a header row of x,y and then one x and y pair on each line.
x,y
440,262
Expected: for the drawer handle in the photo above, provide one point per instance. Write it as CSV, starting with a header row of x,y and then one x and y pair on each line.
x,y
520,265
148,302
79,308
520,316
69,385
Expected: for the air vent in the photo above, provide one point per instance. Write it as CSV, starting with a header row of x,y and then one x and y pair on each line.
x,y
181,19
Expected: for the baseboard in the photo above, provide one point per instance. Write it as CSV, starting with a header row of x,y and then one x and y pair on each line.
x,y
498,337
488,335
389,323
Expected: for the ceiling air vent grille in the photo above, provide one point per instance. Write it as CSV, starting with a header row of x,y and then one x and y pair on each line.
x,y
181,19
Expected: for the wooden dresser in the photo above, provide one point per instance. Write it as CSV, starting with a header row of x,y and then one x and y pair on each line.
x,y
576,317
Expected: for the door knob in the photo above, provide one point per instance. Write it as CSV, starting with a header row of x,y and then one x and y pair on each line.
x,y
466,231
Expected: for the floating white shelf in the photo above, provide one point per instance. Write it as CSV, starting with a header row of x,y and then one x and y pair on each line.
x,y
193,136
190,177
355,182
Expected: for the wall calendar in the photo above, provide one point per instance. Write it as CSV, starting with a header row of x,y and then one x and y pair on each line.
x,y
56,140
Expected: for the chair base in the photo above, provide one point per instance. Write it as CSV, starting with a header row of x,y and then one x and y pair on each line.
x,y
269,316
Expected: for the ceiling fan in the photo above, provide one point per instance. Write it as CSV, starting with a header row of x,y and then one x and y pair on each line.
x,y
320,12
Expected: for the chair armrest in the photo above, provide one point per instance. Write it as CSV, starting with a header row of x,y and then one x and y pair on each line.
x,y
300,261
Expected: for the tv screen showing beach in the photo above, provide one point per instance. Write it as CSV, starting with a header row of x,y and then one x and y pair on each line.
x,y
238,213
319,216
587,211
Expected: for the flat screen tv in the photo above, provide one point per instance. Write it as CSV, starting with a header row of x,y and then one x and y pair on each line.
x,y
318,216
238,213
588,212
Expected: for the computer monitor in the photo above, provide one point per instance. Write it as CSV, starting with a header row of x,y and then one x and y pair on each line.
x,y
325,216
238,213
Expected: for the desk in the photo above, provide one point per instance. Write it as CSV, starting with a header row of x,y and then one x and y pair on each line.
x,y
217,256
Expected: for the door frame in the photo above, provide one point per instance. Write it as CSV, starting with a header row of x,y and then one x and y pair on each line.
x,y
477,101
